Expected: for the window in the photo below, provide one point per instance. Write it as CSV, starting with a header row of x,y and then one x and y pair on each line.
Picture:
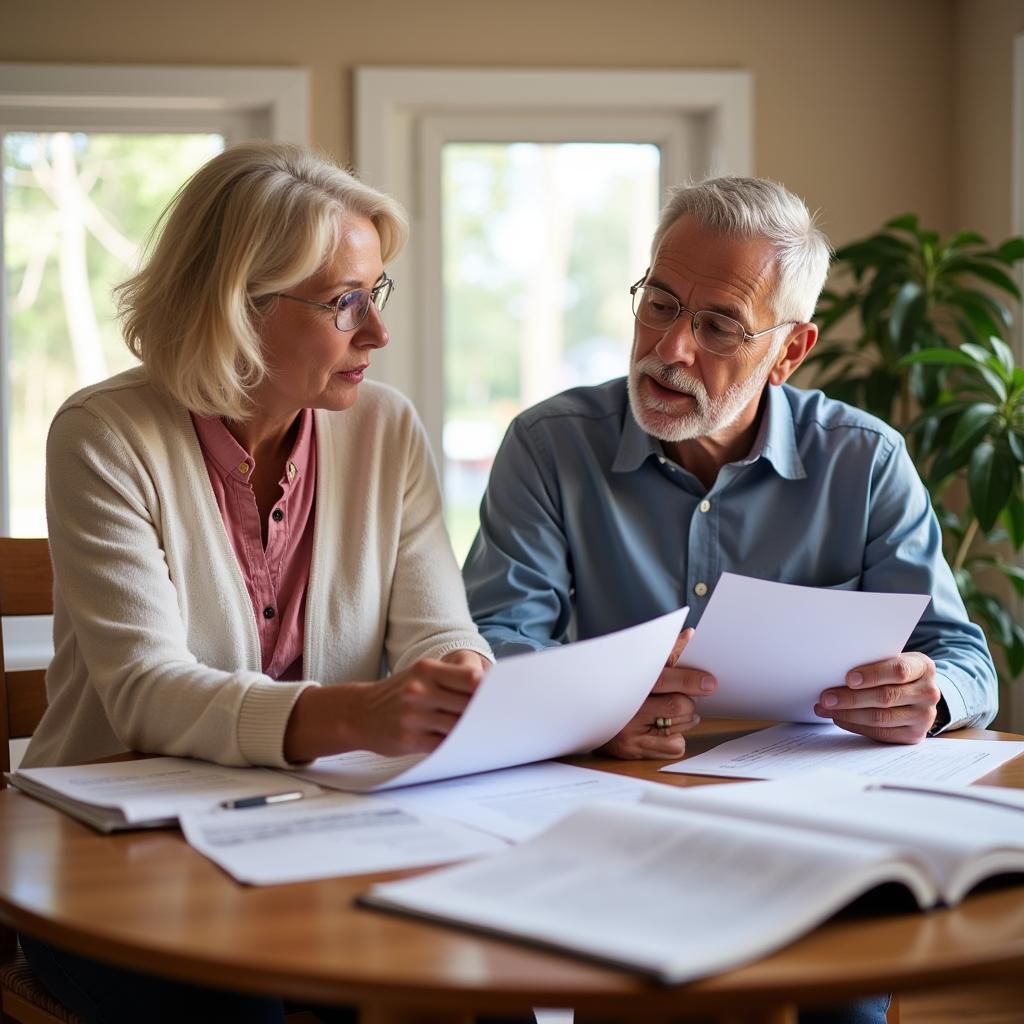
x,y
533,196
90,155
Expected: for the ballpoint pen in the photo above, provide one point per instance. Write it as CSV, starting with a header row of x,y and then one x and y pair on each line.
x,y
262,801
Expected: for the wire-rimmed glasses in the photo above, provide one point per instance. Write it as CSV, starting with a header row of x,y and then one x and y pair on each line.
x,y
714,332
350,308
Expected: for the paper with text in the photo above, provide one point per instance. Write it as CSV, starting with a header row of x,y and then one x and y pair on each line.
x,y
517,803
529,707
326,837
790,749
773,647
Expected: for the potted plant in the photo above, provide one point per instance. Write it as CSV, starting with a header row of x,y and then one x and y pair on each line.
x,y
931,358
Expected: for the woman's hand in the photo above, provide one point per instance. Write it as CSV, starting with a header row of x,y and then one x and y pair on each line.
x,y
410,712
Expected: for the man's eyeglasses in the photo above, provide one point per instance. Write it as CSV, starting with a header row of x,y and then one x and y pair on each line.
x,y
350,308
714,332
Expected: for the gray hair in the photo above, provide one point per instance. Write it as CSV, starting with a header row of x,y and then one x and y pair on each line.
x,y
751,208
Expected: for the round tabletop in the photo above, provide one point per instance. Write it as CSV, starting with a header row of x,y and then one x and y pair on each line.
x,y
146,900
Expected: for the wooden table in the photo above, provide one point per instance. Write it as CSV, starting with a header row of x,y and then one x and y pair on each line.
x,y
146,900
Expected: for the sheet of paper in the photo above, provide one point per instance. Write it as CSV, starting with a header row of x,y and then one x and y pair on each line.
x,y
790,749
327,836
517,803
774,647
530,707
160,787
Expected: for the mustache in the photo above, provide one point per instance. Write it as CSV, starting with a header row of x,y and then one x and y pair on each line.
x,y
673,376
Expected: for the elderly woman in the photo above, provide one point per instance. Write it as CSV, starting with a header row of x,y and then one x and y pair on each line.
x,y
243,522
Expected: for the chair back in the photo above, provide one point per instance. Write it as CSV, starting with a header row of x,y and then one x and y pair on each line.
x,y
26,588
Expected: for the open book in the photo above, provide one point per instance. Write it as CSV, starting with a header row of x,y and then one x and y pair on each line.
x,y
692,882
150,793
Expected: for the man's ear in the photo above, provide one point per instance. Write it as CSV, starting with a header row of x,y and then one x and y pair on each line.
x,y
799,343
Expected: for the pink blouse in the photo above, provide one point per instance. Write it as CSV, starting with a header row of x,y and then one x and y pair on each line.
x,y
276,577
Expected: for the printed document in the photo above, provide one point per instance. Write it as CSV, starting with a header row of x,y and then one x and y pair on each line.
x,y
791,749
529,707
773,647
517,803
327,836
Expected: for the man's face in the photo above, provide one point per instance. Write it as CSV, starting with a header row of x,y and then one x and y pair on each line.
x,y
677,390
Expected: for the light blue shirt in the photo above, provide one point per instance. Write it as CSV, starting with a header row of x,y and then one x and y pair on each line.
x,y
588,527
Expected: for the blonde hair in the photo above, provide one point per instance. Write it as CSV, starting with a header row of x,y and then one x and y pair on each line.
x,y
255,220
751,208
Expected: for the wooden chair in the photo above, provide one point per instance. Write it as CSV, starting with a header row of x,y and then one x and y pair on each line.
x,y
26,588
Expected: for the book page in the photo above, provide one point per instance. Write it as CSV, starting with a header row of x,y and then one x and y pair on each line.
x,y
326,837
773,647
959,838
678,896
790,749
529,707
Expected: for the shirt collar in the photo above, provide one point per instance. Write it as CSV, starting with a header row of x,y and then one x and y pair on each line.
x,y
232,460
775,440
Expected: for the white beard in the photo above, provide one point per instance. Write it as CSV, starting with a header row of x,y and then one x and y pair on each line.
x,y
711,415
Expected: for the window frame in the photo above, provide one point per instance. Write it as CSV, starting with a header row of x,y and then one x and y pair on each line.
x,y
701,120
239,103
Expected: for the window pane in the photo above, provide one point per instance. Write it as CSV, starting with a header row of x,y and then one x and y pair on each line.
x,y
76,209
541,244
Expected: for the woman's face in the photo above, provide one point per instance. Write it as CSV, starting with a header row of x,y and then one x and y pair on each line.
x,y
310,363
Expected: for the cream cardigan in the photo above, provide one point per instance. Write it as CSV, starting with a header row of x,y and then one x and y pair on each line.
x,y
156,645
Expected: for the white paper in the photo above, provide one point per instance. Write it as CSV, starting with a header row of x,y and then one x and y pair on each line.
x,y
529,707
679,895
987,838
517,803
159,787
790,749
325,837
773,647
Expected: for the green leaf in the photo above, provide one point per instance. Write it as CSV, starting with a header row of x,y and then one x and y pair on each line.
x,y
1011,250
1015,574
973,425
962,238
945,464
1016,440
1015,652
1004,354
907,309
1013,519
939,357
990,478
994,276
905,222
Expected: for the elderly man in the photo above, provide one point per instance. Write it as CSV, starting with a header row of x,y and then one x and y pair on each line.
x,y
608,505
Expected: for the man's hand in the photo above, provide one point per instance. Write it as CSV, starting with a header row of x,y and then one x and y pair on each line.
x,y
893,700
656,731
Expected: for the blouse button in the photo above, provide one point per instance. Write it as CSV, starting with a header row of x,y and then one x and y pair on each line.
x,y
700,589
277,515
268,612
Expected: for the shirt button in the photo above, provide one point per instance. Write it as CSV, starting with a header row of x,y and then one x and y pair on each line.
x,y
243,467
705,505
661,459
277,515
700,590
268,612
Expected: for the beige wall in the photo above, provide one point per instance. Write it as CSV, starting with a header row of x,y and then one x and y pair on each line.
x,y
852,96
983,114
